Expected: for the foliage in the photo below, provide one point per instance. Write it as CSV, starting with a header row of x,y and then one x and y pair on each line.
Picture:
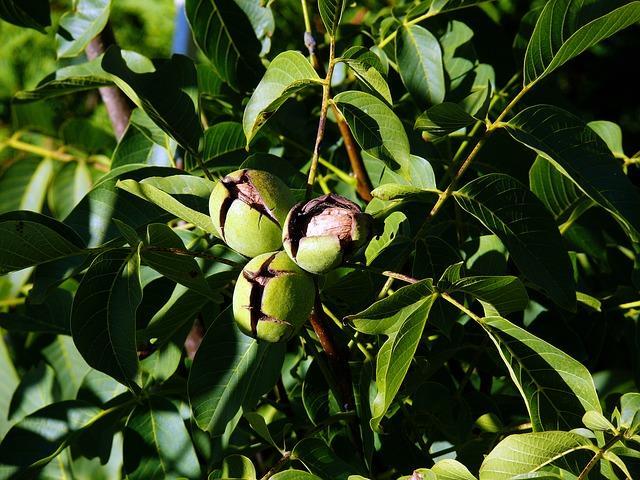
x,y
488,330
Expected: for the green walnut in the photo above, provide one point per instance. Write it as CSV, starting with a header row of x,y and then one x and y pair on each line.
x,y
273,297
320,234
248,209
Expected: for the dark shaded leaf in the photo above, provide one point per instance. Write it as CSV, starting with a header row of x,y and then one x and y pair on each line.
x,y
103,318
583,157
520,220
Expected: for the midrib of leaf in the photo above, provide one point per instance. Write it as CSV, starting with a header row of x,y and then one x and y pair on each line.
x,y
507,228
109,297
234,371
155,438
216,10
422,65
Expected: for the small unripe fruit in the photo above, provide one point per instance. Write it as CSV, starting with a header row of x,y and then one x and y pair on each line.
x,y
273,297
248,209
320,234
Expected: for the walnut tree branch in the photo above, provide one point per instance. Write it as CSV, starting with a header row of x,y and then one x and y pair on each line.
x,y
118,107
363,183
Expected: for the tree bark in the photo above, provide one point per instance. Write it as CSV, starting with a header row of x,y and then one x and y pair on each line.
x,y
118,107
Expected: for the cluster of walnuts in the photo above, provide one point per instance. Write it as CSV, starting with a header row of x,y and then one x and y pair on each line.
x,y
255,213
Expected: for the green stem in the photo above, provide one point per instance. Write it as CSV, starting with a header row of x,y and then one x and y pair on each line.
x,y
599,454
12,302
280,463
385,41
354,338
460,306
448,192
322,123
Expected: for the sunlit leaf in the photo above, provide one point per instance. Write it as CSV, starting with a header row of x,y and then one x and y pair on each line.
x,y
419,59
82,24
528,452
556,388
287,74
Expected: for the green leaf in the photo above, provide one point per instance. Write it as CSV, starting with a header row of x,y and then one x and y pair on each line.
x,y
224,33
295,475
72,182
179,268
162,91
30,238
583,157
34,14
68,364
287,74
331,13
78,78
87,19
611,133
224,370
396,354
441,6
8,382
35,391
259,425
93,217
24,184
238,467
42,435
394,191
597,422
528,452
103,318
165,201
506,294
589,301
221,139
559,194
629,408
450,469
181,309
316,394
100,387
376,128
138,144
367,68
419,59
320,459
443,119
556,388
566,28
262,20
386,315
49,314
157,444
395,231
520,220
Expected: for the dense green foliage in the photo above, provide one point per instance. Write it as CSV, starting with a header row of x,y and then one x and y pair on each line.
x,y
489,328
